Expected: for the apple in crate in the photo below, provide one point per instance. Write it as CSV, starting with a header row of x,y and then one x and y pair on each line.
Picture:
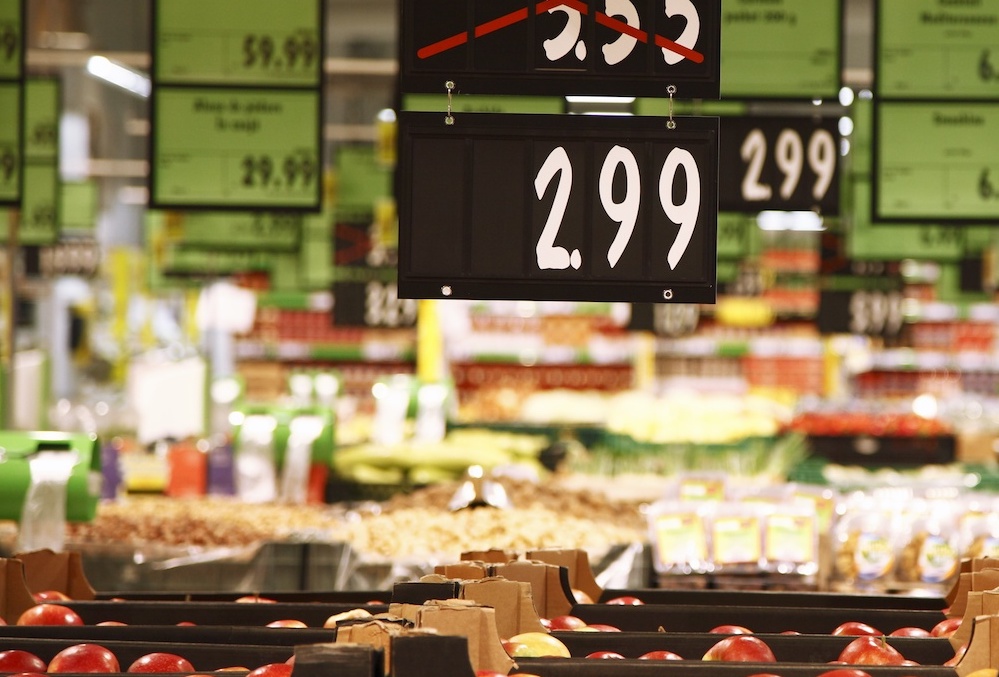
x,y
50,596
49,614
730,630
946,627
626,600
271,670
856,628
660,655
869,650
566,622
80,658
16,660
604,654
909,631
747,648
534,644
160,661
845,672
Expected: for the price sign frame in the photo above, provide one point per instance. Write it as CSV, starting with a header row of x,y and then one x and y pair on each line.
x,y
12,148
544,207
769,162
973,162
12,43
500,47
916,36
740,50
186,25
41,188
253,155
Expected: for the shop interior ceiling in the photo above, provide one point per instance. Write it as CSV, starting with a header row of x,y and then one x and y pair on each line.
x,y
361,46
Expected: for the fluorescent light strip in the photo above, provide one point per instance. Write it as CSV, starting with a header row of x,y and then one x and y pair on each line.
x,y
132,81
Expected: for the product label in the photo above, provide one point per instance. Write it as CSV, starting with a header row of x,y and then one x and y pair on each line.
x,y
791,538
874,556
737,540
680,538
937,560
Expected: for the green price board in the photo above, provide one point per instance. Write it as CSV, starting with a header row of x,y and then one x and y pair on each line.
x,y
781,49
257,42
10,143
11,39
937,162
236,148
41,119
39,212
236,230
936,49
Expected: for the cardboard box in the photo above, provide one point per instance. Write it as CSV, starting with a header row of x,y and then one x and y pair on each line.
x,y
15,598
473,621
492,556
983,645
62,571
577,562
512,600
549,585
376,634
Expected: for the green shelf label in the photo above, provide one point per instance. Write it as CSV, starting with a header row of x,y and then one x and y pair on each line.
x,y
11,40
10,143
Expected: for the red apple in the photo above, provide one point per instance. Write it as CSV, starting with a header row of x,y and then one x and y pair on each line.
x,y
271,670
111,623
581,597
566,622
790,632
660,655
513,648
16,660
287,623
741,648
845,672
604,654
730,630
602,627
50,596
49,614
627,600
160,661
958,655
26,674
868,650
255,599
186,623
946,627
763,674
84,658
909,631
856,628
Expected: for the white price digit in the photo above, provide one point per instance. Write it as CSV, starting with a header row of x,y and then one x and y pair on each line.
x,y
568,39
625,212
754,151
688,38
549,256
790,158
374,304
618,51
384,308
685,213
822,160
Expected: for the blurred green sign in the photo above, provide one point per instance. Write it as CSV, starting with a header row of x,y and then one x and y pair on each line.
x,y
10,143
39,206
236,148
781,48
937,49
936,161
11,39
253,42
42,107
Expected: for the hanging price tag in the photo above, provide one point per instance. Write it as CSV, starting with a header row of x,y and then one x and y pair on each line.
x,y
570,208
10,143
11,40
562,47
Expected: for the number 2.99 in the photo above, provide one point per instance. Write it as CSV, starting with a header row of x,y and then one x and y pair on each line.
x,y
623,211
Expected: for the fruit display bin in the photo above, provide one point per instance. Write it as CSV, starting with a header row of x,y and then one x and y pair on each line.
x,y
583,667
780,599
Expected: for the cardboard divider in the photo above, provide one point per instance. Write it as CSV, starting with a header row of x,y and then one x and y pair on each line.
x,y
973,607
549,585
778,598
983,645
577,564
15,598
760,619
211,613
176,634
62,571
585,667
786,648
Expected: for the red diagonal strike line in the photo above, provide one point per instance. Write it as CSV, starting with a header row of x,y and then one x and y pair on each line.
x,y
540,8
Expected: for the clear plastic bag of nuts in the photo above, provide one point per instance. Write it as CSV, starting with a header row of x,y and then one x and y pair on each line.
x,y
866,545
929,556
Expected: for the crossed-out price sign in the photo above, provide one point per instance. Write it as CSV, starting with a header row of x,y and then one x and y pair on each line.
x,y
556,207
562,47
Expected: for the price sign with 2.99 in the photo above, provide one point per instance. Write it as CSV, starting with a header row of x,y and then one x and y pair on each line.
x,y
780,163
277,44
572,208
560,47
236,148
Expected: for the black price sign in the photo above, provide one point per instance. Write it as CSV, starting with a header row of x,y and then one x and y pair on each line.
x,y
562,47
872,312
374,304
782,163
573,208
